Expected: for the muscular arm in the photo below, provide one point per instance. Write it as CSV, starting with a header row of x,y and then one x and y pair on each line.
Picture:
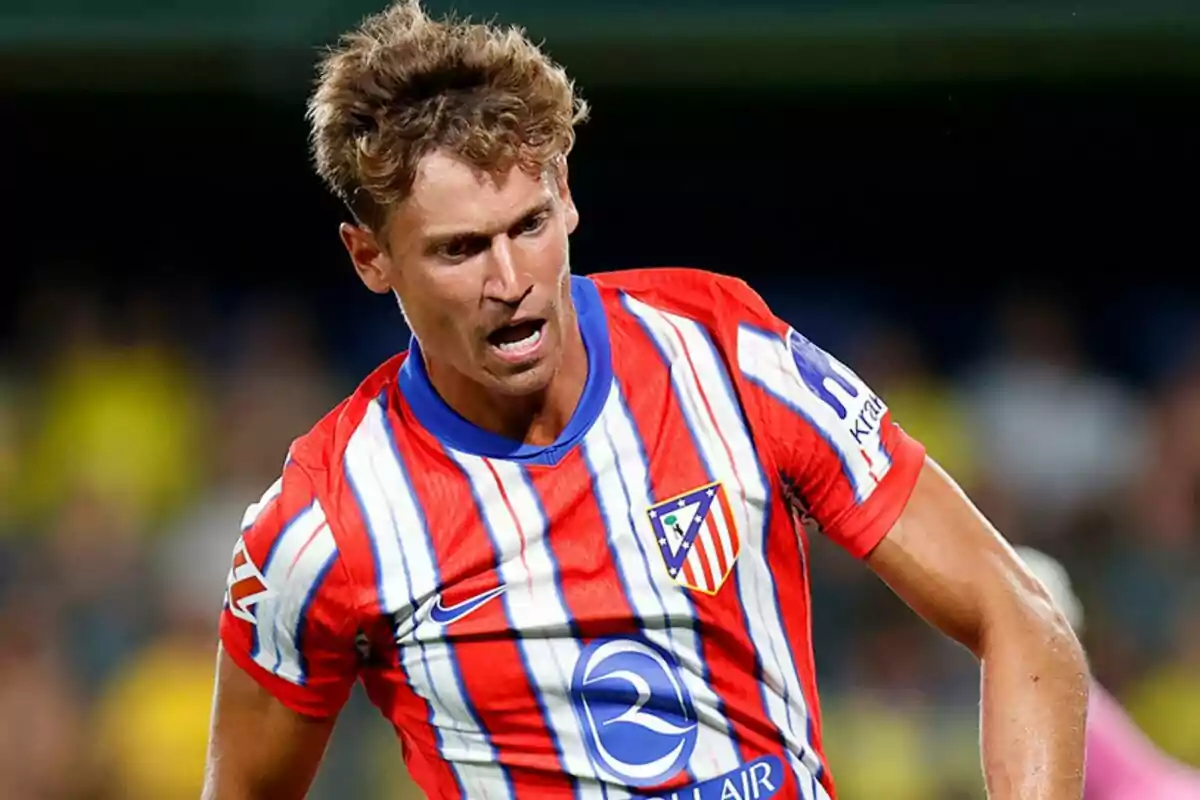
x,y
1121,760
258,748
946,561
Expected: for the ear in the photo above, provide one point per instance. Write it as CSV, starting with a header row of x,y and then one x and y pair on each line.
x,y
564,193
370,261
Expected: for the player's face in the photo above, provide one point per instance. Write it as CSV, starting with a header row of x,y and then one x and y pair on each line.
x,y
480,266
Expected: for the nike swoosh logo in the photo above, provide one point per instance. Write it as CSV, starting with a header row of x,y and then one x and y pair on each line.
x,y
444,615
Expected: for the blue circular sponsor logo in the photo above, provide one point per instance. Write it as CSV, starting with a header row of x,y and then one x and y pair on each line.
x,y
638,719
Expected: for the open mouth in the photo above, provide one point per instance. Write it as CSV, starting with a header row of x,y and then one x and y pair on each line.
x,y
519,339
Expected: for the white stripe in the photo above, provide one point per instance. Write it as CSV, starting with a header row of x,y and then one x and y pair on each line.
x,y
767,360
710,553
392,513
721,531
534,603
622,486
696,561
311,567
749,495
404,552
255,509
278,613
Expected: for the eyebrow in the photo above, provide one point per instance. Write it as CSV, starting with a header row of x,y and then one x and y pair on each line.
x,y
444,237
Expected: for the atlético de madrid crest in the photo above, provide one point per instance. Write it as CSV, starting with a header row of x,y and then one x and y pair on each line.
x,y
697,537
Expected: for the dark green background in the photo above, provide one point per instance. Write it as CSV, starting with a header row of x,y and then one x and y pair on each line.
x,y
267,44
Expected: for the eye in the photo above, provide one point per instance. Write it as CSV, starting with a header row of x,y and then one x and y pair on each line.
x,y
533,223
458,250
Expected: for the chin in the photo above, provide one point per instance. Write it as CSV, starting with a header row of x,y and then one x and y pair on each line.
x,y
521,383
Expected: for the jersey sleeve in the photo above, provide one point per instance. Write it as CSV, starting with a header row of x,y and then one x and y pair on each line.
x,y
288,617
845,464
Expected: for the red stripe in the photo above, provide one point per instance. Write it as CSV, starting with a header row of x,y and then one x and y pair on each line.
x,y
389,690
490,662
591,585
712,418
790,592
722,564
790,547
795,598
704,556
735,542
675,468
712,421
689,574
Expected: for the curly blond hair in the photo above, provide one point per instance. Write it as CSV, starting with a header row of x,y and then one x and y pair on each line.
x,y
403,84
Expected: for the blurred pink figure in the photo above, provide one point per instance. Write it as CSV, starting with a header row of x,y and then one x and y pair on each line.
x,y
1122,762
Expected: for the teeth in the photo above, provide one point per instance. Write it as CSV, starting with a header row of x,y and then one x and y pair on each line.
x,y
522,344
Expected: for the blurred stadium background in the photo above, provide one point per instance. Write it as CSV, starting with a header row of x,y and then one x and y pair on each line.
x,y
988,208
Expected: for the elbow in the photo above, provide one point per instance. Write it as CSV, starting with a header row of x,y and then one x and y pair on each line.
x,y
1027,624
1055,629
1032,659
1061,648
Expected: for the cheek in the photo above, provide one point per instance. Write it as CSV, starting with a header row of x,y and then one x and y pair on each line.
x,y
434,308
549,253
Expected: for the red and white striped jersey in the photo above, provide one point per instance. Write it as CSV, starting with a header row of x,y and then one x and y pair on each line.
x,y
623,613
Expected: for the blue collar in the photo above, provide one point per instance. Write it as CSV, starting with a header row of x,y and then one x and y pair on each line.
x,y
451,429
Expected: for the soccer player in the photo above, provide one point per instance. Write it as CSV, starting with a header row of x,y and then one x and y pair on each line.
x,y
1122,762
559,540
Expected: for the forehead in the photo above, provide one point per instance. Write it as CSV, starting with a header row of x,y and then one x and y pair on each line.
x,y
451,194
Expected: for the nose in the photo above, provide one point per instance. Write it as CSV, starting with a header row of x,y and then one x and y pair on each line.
x,y
506,282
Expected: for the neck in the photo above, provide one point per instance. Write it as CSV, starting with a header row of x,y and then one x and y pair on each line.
x,y
537,418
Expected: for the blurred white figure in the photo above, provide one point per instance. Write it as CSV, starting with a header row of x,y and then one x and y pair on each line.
x,y
1054,433
1122,762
